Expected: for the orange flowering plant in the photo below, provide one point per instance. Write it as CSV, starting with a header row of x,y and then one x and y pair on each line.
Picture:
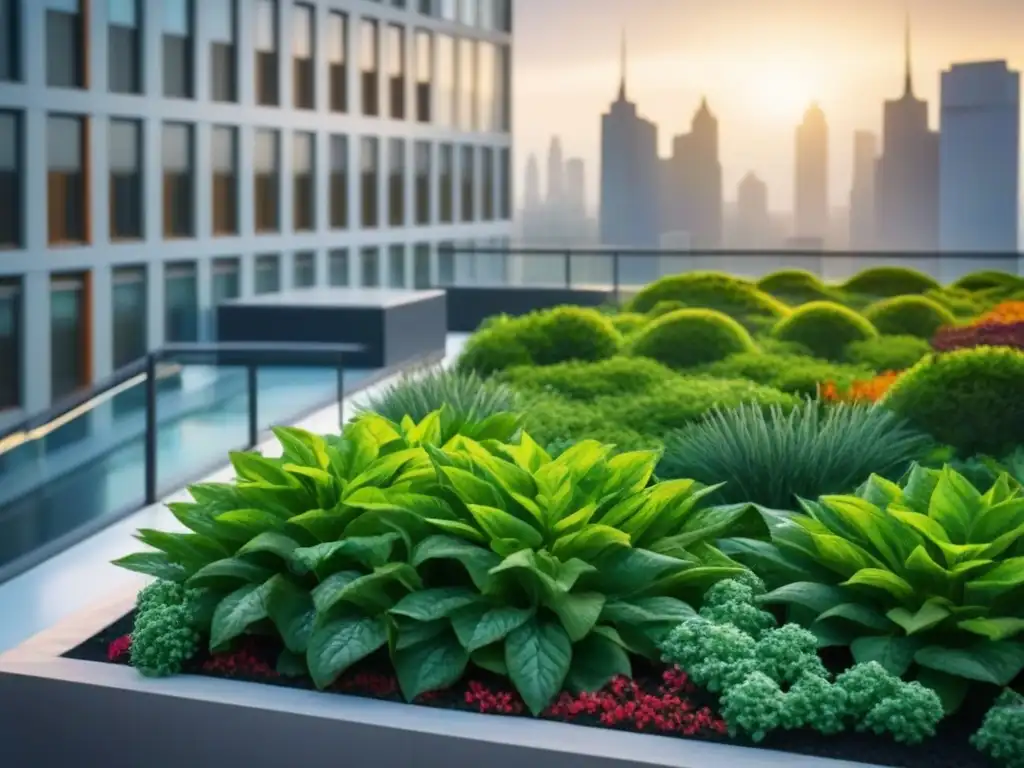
x,y
864,391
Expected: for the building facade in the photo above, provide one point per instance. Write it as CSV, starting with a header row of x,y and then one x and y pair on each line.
x,y
156,159
979,158
862,191
691,185
753,225
810,204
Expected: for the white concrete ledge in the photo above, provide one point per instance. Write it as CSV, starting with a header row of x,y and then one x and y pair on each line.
x,y
71,712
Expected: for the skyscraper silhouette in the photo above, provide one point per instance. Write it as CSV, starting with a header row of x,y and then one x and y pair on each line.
x,y
907,174
810,206
575,189
691,182
531,189
862,191
979,158
629,180
752,221
556,172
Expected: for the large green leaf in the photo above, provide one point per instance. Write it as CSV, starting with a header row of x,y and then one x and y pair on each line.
x,y
578,612
430,666
918,488
433,604
254,468
236,613
992,662
371,592
323,559
623,571
252,522
302,447
886,581
470,488
644,610
815,596
896,654
595,662
859,614
954,504
692,581
202,519
326,525
929,615
997,520
188,549
229,573
385,500
477,560
776,567
952,690
702,525
284,501
291,608
843,556
477,627
592,542
338,644
889,539
1002,628
631,470
538,655
270,543
156,564
1002,578
499,524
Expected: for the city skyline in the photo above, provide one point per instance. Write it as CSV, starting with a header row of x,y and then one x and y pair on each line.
x,y
665,83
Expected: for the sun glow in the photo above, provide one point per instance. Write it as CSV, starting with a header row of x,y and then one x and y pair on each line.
x,y
780,91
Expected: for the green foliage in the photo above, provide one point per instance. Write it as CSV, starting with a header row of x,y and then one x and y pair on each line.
x,y
587,381
795,374
909,716
796,286
690,337
771,457
541,338
968,398
961,302
825,328
885,282
908,316
663,308
866,686
813,702
1001,736
628,323
733,602
756,706
888,353
468,397
165,633
788,653
987,278
732,296
715,656
923,575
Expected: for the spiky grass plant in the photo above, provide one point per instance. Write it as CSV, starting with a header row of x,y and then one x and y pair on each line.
x,y
771,457
469,397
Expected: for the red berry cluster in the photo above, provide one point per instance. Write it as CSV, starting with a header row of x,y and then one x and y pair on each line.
x,y
244,661
483,699
119,648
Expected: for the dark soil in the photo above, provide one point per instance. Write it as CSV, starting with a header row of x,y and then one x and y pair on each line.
x,y
256,662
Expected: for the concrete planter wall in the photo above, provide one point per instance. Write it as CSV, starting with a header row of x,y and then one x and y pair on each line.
x,y
70,712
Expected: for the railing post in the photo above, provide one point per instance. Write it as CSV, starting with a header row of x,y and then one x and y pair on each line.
x,y
341,395
615,275
568,269
252,390
151,427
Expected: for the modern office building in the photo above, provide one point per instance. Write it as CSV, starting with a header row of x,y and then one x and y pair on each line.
x,y
753,224
160,156
691,189
862,191
810,204
979,158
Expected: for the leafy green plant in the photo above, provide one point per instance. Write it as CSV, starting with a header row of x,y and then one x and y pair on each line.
x,y
887,353
733,602
813,702
825,328
718,291
909,715
889,281
585,381
965,304
773,457
553,571
795,374
690,337
1001,736
911,315
968,398
166,630
796,286
466,396
922,575
987,278
715,656
756,706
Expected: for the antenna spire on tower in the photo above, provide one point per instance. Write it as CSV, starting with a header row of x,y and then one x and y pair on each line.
x,y
622,67
908,79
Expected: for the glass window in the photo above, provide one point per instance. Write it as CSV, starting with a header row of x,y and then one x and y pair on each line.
x,y
487,183
177,48
467,12
221,28
266,53
369,47
304,274
467,85
337,59
422,192
224,148
421,266
303,86
227,279
369,268
10,51
265,163
485,14
11,191
181,302
337,268
125,154
424,52
303,191
66,181
370,164
446,101
65,45
69,334
396,182
124,46
446,182
505,185
468,191
10,343
131,317
503,88
448,10
486,109
396,266
178,180
267,274
445,264
426,7
339,181
396,72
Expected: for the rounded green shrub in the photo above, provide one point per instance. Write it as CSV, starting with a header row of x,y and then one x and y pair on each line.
x,y
795,286
962,303
689,337
663,308
825,328
908,316
887,353
969,399
987,278
796,374
541,338
737,298
889,281
584,381
628,323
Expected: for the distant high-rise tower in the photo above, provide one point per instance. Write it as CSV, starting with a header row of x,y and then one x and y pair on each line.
x,y
629,181
862,191
752,222
531,189
810,209
575,190
979,158
556,172
691,182
907,173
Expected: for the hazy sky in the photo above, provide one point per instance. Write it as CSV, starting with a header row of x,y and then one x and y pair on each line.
x,y
759,62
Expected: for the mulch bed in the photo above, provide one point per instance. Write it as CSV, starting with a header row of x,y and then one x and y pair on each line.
x,y
658,700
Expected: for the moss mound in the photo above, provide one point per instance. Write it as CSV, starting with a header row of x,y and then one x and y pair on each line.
x,y
690,337
886,282
825,328
737,298
908,316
